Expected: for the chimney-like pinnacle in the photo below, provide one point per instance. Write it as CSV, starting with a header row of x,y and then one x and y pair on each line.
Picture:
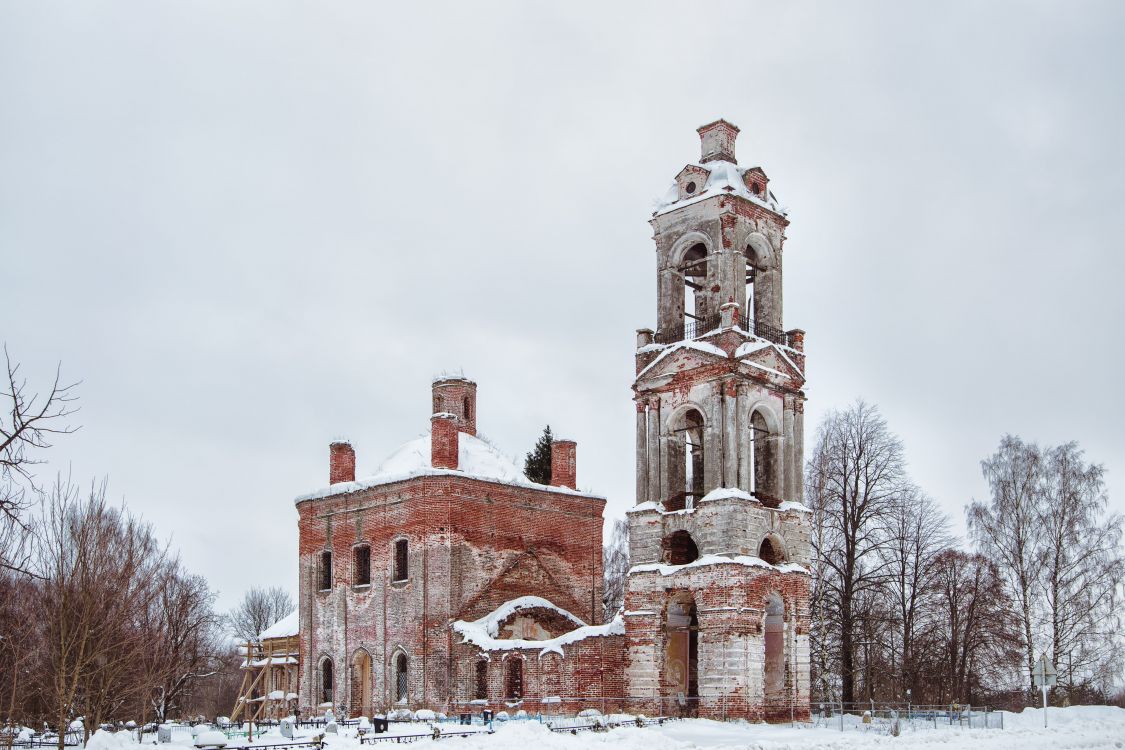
x,y
716,141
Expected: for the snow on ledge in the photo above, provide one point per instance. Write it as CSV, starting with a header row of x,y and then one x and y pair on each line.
x,y
708,560
483,633
791,505
727,493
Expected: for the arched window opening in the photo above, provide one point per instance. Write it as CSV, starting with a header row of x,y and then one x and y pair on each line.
x,y
437,404
361,683
775,662
465,409
402,561
401,675
679,548
326,683
363,565
754,266
681,647
687,462
693,270
513,681
325,570
765,462
481,687
770,551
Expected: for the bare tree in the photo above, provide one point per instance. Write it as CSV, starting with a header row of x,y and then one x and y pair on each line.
x,y
20,641
99,566
1081,570
979,641
855,476
1007,529
917,532
615,567
259,609
28,423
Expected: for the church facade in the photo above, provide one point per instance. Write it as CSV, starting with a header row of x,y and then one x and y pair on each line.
x,y
447,579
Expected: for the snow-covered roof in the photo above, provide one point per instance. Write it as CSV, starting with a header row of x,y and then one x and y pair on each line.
x,y
284,628
483,633
724,178
476,458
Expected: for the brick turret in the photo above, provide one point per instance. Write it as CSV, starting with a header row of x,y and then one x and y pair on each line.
x,y
457,396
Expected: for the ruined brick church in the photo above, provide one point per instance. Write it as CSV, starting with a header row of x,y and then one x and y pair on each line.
x,y
447,579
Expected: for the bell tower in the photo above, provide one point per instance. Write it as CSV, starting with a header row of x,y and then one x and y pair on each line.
x,y
717,599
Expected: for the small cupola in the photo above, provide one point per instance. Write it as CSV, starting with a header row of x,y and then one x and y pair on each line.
x,y
457,396
716,141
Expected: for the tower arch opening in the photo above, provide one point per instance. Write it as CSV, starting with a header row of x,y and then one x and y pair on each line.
x,y
681,646
771,550
774,645
765,460
693,272
763,289
679,548
687,461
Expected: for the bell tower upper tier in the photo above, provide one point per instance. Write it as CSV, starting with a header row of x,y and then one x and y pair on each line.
x,y
719,388
719,233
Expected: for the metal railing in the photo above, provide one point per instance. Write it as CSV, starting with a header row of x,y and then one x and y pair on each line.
x,y
693,329
894,717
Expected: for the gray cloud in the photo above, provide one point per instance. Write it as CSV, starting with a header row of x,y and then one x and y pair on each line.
x,y
252,227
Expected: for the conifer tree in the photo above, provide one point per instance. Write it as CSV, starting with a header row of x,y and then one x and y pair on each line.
x,y
537,466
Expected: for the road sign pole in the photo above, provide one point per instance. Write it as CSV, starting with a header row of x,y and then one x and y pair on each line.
x,y
1044,706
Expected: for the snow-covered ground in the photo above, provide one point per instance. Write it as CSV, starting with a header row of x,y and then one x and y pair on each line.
x,y
1084,727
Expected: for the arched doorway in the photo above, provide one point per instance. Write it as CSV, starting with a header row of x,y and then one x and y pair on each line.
x,y
361,683
774,676
681,647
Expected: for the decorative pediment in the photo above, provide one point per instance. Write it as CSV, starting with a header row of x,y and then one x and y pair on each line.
x,y
692,180
682,357
761,358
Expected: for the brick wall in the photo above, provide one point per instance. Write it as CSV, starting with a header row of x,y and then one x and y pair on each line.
x,y
473,544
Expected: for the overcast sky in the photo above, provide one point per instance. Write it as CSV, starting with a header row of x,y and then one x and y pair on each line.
x,y
251,227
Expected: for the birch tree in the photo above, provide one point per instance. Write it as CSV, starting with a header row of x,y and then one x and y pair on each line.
x,y
1007,529
1081,570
